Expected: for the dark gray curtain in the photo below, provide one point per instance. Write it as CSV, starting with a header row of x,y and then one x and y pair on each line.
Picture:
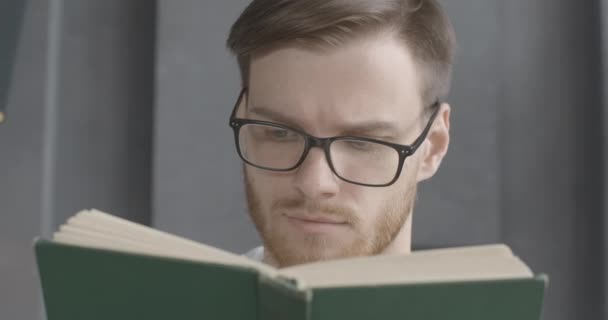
x,y
11,20
552,149
123,106
604,70
78,132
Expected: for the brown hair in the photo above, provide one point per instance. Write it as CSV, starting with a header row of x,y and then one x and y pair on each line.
x,y
421,24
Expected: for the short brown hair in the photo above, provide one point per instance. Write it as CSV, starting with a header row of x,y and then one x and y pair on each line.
x,y
421,24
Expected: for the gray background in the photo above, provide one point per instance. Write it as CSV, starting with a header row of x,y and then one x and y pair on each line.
x,y
123,106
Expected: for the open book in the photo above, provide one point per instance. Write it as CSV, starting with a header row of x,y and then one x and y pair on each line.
x,y
98,266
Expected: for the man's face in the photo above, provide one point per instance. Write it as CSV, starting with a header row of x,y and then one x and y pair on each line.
x,y
368,88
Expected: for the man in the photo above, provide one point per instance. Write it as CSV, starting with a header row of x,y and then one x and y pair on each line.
x,y
339,119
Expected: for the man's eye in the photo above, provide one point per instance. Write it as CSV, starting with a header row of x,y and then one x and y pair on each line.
x,y
281,134
360,145
276,133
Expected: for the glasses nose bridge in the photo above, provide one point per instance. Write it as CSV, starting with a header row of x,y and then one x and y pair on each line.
x,y
322,143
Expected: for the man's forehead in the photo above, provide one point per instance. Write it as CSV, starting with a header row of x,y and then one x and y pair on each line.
x,y
372,82
375,69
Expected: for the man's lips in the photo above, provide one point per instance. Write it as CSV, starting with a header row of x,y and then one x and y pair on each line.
x,y
316,223
321,219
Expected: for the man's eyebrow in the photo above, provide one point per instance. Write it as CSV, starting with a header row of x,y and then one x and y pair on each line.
x,y
375,128
372,128
272,115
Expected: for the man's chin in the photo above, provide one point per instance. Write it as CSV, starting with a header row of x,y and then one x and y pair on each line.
x,y
289,254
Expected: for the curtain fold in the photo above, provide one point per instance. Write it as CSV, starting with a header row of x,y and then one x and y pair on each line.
x,y
604,68
11,20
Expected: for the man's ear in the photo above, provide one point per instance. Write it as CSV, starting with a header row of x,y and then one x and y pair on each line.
x,y
436,144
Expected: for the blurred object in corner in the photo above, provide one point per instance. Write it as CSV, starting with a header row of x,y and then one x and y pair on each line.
x,y
11,18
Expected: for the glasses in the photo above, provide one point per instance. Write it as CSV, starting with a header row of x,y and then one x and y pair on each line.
x,y
362,161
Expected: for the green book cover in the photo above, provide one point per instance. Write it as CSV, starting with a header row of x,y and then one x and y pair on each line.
x,y
99,267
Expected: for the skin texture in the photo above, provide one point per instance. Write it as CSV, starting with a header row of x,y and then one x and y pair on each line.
x,y
367,87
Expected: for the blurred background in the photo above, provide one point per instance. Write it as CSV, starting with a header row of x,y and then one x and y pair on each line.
x,y
122,105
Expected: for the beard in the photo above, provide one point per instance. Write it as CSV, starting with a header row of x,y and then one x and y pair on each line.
x,y
370,237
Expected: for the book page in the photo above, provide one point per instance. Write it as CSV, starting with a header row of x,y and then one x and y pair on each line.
x,y
93,228
457,264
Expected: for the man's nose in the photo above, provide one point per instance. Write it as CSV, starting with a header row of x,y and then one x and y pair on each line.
x,y
314,177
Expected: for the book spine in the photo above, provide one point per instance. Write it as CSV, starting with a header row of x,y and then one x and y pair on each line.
x,y
279,299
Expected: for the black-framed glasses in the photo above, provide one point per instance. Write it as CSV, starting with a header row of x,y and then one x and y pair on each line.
x,y
362,161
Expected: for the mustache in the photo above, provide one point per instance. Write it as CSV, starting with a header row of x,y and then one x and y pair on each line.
x,y
315,207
